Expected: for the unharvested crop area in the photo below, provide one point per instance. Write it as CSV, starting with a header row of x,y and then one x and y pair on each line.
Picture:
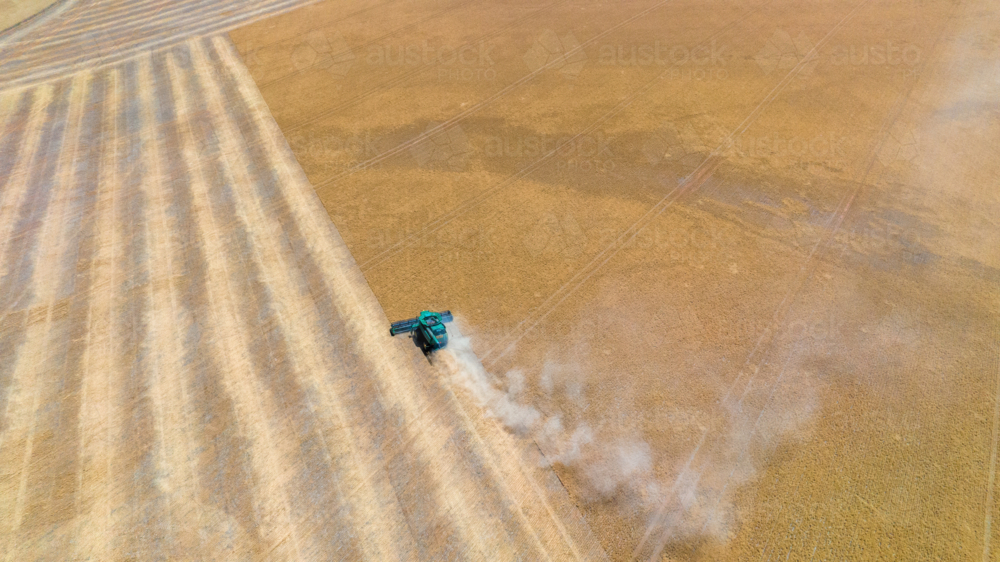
x,y
738,258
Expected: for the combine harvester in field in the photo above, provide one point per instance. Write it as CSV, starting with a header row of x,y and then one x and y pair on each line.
x,y
431,332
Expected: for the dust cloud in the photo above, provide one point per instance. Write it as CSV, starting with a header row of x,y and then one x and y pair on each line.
x,y
671,498
604,467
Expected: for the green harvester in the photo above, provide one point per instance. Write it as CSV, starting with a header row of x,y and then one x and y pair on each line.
x,y
429,327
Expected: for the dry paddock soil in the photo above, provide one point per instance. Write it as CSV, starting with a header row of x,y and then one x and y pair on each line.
x,y
744,252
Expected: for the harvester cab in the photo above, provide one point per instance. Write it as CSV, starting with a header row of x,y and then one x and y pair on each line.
x,y
430,329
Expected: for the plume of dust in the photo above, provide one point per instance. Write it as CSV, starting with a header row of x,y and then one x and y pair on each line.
x,y
701,502
698,500
606,467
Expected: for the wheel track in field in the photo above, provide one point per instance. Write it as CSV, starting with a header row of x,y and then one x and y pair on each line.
x,y
765,343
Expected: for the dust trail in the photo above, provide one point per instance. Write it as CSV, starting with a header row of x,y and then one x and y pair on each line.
x,y
606,466
701,505
606,453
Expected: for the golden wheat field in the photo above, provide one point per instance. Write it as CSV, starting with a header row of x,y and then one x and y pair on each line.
x,y
725,279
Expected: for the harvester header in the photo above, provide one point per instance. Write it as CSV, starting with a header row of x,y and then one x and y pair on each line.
x,y
429,327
